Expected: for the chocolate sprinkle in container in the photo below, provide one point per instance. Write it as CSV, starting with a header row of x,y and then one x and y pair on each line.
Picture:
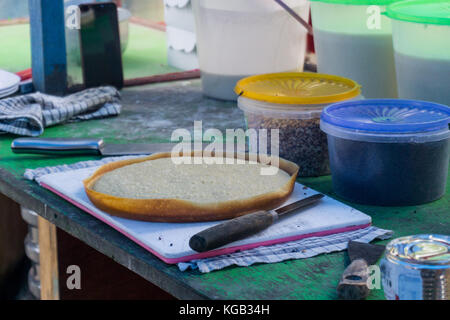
x,y
292,103
388,152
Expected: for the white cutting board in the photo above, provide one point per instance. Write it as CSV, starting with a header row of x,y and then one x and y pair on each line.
x,y
170,241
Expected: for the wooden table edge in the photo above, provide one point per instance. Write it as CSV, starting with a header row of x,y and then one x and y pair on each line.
x,y
16,192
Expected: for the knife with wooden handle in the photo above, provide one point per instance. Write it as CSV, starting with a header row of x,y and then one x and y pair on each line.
x,y
244,226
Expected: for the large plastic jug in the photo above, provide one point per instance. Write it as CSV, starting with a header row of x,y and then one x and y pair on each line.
x,y
353,39
421,34
239,38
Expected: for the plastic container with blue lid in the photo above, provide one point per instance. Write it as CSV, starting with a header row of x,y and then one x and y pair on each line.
x,y
388,152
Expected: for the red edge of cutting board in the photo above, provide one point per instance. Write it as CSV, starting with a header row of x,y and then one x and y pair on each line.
x,y
211,253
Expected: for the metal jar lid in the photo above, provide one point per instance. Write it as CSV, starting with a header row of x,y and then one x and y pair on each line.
x,y
421,251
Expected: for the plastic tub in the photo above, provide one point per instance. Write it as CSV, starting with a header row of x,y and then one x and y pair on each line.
x,y
388,152
239,38
421,33
350,43
292,103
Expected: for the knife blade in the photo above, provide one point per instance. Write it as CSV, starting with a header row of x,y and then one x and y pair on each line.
x,y
244,226
76,146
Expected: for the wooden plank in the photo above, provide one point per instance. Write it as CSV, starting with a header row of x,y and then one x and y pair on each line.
x,y
99,276
48,260
48,46
93,232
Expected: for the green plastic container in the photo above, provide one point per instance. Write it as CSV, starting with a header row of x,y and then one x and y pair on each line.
x,y
353,39
421,33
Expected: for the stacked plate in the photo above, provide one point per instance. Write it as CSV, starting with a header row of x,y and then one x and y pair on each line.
x,y
9,83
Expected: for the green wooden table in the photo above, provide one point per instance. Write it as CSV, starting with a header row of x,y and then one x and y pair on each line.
x,y
150,114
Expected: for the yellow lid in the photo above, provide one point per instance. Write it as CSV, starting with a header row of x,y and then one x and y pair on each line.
x,y
297,88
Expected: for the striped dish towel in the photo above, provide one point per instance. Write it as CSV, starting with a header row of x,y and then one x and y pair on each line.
x,y
28,115
299,249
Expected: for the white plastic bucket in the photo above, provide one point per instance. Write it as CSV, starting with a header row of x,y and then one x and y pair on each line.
x,y
239,38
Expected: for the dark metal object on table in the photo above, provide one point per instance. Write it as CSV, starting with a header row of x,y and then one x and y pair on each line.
x,y
353,284
101,54
68,146
244,226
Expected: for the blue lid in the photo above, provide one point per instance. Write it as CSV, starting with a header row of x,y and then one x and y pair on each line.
x,y
387,117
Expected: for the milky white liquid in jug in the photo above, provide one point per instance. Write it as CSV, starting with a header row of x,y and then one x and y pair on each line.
x,y
367,59
423,78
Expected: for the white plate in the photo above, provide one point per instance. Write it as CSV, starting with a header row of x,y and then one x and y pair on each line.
x,y
6,93
8,80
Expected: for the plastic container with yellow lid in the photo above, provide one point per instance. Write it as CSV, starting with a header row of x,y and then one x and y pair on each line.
x,y
293,103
